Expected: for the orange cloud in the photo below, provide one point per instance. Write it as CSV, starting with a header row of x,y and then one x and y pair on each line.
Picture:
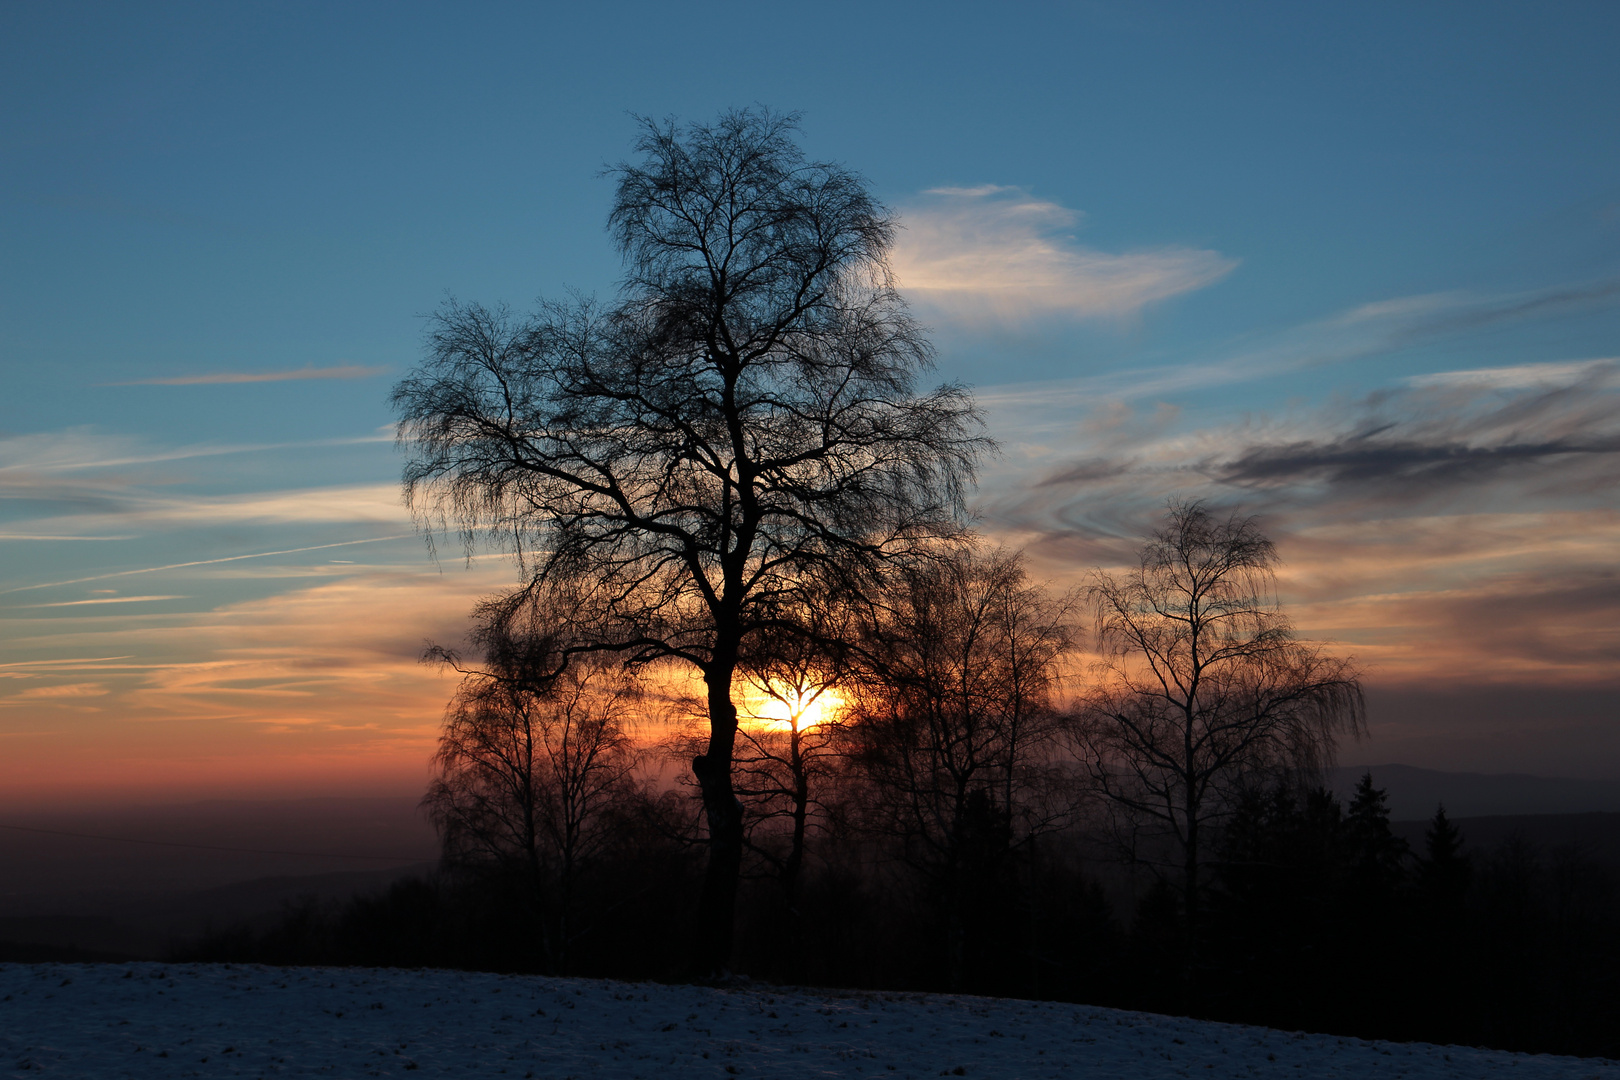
x,y
320,685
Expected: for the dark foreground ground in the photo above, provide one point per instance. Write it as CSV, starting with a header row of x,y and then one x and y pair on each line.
x,y
155,1020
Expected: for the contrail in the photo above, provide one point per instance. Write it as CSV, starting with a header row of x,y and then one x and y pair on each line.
x,y
346,371
35,536
203,562
187,452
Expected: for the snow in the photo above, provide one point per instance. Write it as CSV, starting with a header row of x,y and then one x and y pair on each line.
x,y
158,1020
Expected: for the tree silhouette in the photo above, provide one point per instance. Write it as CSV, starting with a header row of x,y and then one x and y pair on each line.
x,y
787,752
1204,688
743,415
1378,856
1444,870
529,764
1444,874
1275,891
953,715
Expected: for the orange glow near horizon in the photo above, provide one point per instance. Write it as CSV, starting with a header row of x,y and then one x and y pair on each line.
x,y
312,683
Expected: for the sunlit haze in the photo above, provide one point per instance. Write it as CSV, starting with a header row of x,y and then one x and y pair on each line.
x,y
785,708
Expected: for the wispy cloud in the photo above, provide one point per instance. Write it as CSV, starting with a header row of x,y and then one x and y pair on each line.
x,y
82,450
325,678
41,536
108,600
199,562
1467,312
1451,530
344,371
1368,330
1555,427
81,485
997,255
367,506
56,693
1549,431
65,663
1520,376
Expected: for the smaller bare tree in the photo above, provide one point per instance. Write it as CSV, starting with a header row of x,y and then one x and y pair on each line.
x,y
532,757
1204,688
953,719
787,746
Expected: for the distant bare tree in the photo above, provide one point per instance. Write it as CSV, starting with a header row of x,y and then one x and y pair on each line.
x,y
788,748
744,415
1204,687
953,718
530,761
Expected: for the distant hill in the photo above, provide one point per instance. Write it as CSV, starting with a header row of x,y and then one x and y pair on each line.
x,y
113,882
1414,793
147,927
65,862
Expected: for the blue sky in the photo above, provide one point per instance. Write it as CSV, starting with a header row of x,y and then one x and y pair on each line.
x,y
1354,267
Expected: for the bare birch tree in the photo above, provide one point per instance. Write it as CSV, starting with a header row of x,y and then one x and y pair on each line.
x,y
529,764
788,750
744,414
953,720
1204,687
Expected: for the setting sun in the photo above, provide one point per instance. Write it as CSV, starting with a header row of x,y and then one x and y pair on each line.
x,y
787,707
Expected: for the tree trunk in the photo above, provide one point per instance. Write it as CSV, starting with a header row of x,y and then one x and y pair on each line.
x,y
956,913
724,813
1192,900
956,929
801,812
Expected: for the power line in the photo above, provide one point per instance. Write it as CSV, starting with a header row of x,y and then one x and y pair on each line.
x,y
210,847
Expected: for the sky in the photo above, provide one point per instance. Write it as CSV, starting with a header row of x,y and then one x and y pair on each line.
x,y
1351,268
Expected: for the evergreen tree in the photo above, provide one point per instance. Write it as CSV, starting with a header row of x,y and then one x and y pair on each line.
x,y
1443,878
1444,872
1378,856
1375,932
1274,913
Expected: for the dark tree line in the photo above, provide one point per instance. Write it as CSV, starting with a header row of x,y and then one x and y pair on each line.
x,y
1325,920
1316,918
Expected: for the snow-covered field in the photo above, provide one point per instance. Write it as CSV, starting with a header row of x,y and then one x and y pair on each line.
x,y
158,1020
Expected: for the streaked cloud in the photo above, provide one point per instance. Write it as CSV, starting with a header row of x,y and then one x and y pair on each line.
x,y
378,503
344,371
1520,376
197,562
43,536
1549,432
997,255
323,678
108,600
1552,431
114,510
59,692
102,506
66,663
1457,529
1345,337
39,459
